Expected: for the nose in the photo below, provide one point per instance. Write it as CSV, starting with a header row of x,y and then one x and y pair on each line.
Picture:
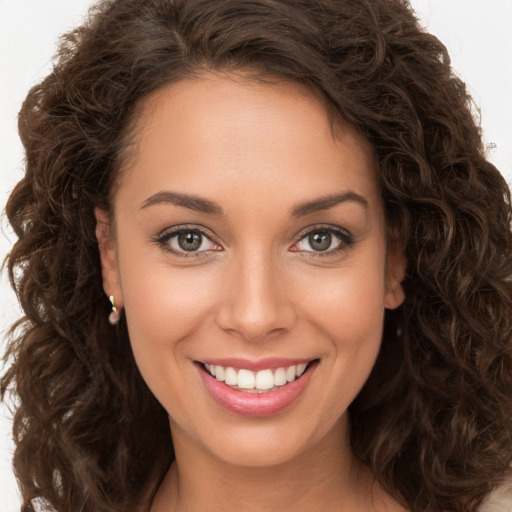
x,y
255,301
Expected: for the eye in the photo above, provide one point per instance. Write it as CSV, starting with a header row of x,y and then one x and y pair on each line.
x,y
187,241
323,240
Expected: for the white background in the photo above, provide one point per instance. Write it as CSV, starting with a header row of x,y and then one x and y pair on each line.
x,y
476,32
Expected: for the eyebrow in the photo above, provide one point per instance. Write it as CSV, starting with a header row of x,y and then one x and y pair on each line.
x,y
196,203
202,205
326,202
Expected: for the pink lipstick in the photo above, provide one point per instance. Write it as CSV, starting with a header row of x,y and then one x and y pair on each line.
x,y
256,388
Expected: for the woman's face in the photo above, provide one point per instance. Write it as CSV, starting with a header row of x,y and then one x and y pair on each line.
x,y
250,242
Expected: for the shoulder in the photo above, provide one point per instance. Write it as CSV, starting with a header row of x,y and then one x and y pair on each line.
x,y
500,499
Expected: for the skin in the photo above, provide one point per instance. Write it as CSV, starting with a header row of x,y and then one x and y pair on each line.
x,y
258,290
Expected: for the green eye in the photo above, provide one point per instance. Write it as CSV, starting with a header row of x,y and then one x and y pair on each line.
x,y
189,240
324,240
320,240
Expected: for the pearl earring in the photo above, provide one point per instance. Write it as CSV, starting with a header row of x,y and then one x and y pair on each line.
x,y
114,316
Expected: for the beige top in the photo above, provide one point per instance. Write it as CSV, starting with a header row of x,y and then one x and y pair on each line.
x,y
500,500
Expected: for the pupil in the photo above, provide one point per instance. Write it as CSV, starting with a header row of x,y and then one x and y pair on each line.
x,y
190,241
320,241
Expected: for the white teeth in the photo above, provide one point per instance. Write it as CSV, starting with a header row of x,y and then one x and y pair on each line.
x,y
291,373
246,379
264,379
260,381
219,373
230,377
280,377
300,369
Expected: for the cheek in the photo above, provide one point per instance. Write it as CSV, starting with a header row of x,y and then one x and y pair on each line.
x,y
347,310
164,306
348,305
164,309
350,315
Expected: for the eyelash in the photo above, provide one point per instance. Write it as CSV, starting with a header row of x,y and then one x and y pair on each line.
x,y
164,238
345,237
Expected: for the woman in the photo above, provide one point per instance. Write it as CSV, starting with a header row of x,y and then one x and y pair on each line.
x,y
306,258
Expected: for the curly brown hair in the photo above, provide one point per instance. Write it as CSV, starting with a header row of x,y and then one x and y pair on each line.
x,y
434,420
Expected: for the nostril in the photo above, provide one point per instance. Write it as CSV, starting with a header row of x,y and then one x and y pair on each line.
x,y
256,324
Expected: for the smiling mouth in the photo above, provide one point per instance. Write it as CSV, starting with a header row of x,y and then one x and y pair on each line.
x,y
262,381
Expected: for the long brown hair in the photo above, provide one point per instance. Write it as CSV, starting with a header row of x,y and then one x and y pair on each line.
x,y
434,420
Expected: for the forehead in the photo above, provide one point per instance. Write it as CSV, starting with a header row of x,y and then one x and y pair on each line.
x,y
212,132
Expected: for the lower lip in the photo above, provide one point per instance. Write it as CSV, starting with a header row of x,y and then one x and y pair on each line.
x,y
256,404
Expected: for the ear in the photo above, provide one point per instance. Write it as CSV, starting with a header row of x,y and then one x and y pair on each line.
x,y
108,257
395,274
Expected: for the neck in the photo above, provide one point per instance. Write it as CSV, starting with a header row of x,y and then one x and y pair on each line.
x,y
326,477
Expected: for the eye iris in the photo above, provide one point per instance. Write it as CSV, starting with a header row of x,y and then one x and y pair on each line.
x,y
190,241
320,240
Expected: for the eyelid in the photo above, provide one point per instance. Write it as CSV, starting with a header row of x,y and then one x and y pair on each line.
x,y
347,240
167,234
163,237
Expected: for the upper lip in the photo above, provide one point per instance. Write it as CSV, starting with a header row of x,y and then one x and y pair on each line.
x,y
256,365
